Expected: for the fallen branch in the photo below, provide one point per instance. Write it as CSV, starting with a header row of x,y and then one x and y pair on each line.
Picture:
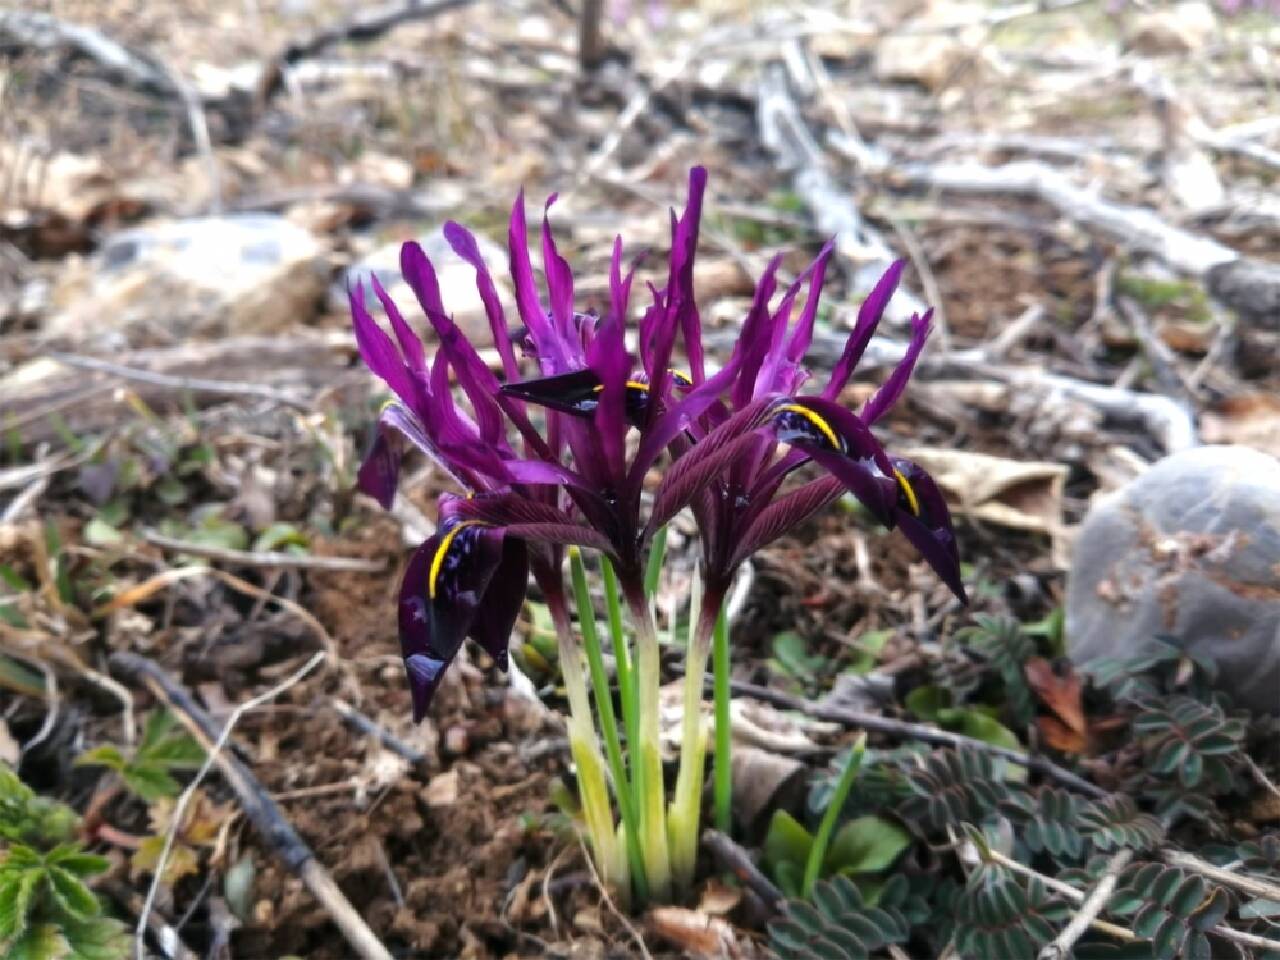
x,y
42,32
264,558
358,721
917,731
1093,905
1250,885
276,831
731,857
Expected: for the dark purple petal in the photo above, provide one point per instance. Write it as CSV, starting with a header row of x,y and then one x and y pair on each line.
x,y
577,392
785,514
464,245
869,315
442,589
380,470
568,534
855,438
687,238
691,474
924,519
410,345
502,602
377,350
884,398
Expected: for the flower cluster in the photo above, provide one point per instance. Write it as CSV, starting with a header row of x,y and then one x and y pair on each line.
x,y
546,460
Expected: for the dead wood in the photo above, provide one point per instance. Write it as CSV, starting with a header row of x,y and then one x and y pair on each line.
x,y
729,856
29,30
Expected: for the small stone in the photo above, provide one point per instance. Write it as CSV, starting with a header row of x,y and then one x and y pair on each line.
x,y
442,791
1189,551
456,741
198,277
457,283
1181,28
933,47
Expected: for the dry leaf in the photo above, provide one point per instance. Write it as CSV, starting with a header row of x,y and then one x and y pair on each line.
x,y
719,898
10,752
442,791
1249,419
1067,730
694,932
1020,495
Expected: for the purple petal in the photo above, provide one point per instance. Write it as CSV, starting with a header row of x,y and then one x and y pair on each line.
x,y
924,519
757,333
380,470
687,238
785,514
577,392
884,398
376,348
410,345
464,245
869,315
497,615
863,479
559,279
550,351
802,335
442,588
693,472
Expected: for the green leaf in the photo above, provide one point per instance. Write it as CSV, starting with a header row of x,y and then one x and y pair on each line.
x,y
791,656
866,845
99,533
72,896
927,701
41,942
869,646
17,891
102,938
149,782
106,755
786,842
16,676
282,536
83,865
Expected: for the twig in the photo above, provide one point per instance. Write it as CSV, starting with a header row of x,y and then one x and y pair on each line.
x,y
227,388
264,558
608,901
167,936
729,856
41,31
917,731
1093,905
1260,775
365,725
258,806
1253,886
1158,354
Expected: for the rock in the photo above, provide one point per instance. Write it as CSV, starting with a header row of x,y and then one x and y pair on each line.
x,y
933,47
457,283
1189,550
198,277
1181,28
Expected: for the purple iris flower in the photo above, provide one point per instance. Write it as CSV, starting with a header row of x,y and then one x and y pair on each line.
x,y
578,477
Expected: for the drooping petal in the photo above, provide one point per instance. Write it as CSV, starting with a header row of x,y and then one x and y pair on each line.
x,y
869,315
465,246
380,471
442,590
785,514
924,519
496,617
884,398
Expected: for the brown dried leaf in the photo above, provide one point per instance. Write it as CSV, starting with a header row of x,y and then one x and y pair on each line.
x,y
1067,730
694,932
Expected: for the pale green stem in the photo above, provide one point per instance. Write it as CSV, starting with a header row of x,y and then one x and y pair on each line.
x,y
722,786
585,747
622,655
822,840
608,722
647,750
683,819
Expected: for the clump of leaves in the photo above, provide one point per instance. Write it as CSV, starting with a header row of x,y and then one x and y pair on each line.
x,y
1173,909
199,828
839,924
148,769
47,910
1002,642
1000,914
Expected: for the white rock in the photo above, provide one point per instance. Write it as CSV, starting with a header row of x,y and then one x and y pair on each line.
x,y
1181,28
199,277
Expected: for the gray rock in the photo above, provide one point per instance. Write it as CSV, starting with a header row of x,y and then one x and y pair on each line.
x,y
1191,550
197,277
457,283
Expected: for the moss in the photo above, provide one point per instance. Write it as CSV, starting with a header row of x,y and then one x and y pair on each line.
x,y
1184,296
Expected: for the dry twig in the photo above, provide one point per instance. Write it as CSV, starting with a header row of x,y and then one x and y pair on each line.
x,y
264,558
1093,905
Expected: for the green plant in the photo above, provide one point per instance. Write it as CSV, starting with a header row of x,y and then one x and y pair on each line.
x,y
1173,909
838,924
147,769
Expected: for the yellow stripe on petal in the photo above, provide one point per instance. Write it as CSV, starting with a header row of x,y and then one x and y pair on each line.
x,y
437,562
912,500
818,421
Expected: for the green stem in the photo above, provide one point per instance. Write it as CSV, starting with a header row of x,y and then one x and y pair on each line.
x,y
593,789
683,819
818,852
621,653
647,751
723,775
657,556
608,722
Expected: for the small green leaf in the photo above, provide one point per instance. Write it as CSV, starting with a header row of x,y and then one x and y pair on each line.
x,y
103,756
72,896
791,655
41,942
150,783
866,845
281,536
786,842
99,533
927,701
